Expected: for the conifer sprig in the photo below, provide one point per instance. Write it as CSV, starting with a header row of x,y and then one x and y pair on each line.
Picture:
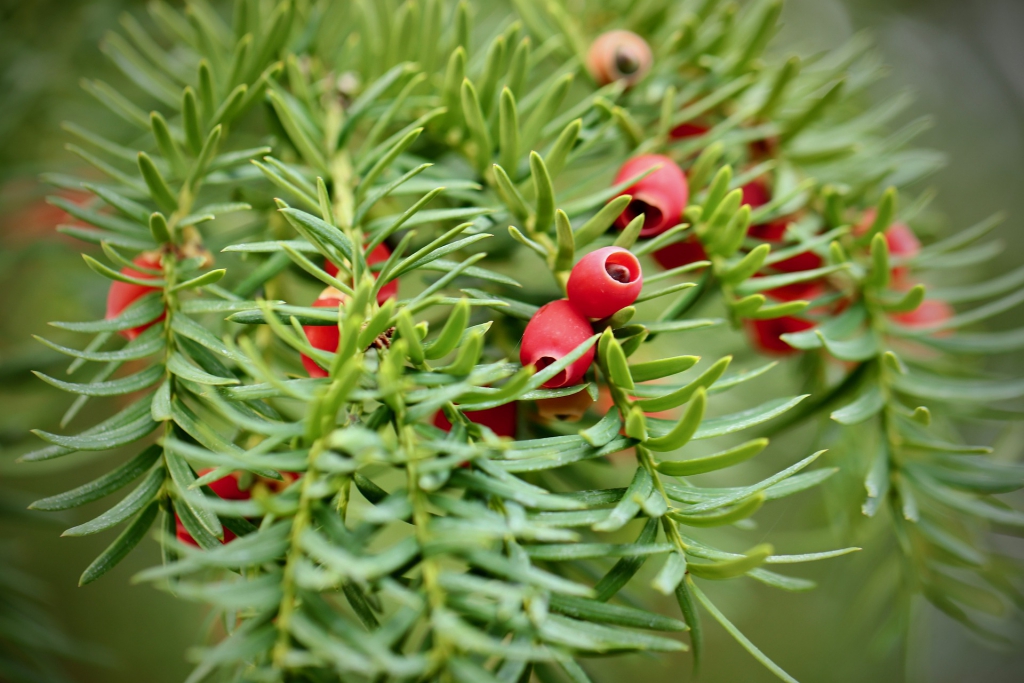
x,y
372,544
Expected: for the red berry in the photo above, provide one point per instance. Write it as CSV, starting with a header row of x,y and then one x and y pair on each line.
x,y
799,263
930,312
794,292
660,197
688,130
552,333
903,243
767,334
770,232
755,193
605,281
380,254
323,337
681,253
619,56
227,488
123,294
900,238
501,420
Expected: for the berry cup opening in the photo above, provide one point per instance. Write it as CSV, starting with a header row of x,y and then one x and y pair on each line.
x,y
622,267
556,381
627,62
653,216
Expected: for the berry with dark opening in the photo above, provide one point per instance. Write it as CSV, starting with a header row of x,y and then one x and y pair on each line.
x,y
660,196
553,332
380,254
501,419
323,337
605,281
619,56
123,294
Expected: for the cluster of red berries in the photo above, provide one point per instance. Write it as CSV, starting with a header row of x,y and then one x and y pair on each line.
x,y
603,282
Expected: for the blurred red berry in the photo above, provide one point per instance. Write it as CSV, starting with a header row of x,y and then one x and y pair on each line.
x,y
775,231
930,312
903,243
681,253
227,488
123,294
767,334
799,263
552,333
380,254
660,197
501,420
688,130
755,193
806,291
605,281
619,56
900,238
323,337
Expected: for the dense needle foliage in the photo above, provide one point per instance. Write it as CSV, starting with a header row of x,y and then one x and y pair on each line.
x,y
267,155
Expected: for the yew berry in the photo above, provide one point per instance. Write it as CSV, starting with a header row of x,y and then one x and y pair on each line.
x,y
930,312
123,294
323,337
619,56
227,488
501,419
767,334
552,333
688,130
380,254
756,194
605,281
660,196
681,253
903,243
900,238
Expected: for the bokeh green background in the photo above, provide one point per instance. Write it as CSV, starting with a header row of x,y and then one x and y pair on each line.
x,y
962,59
